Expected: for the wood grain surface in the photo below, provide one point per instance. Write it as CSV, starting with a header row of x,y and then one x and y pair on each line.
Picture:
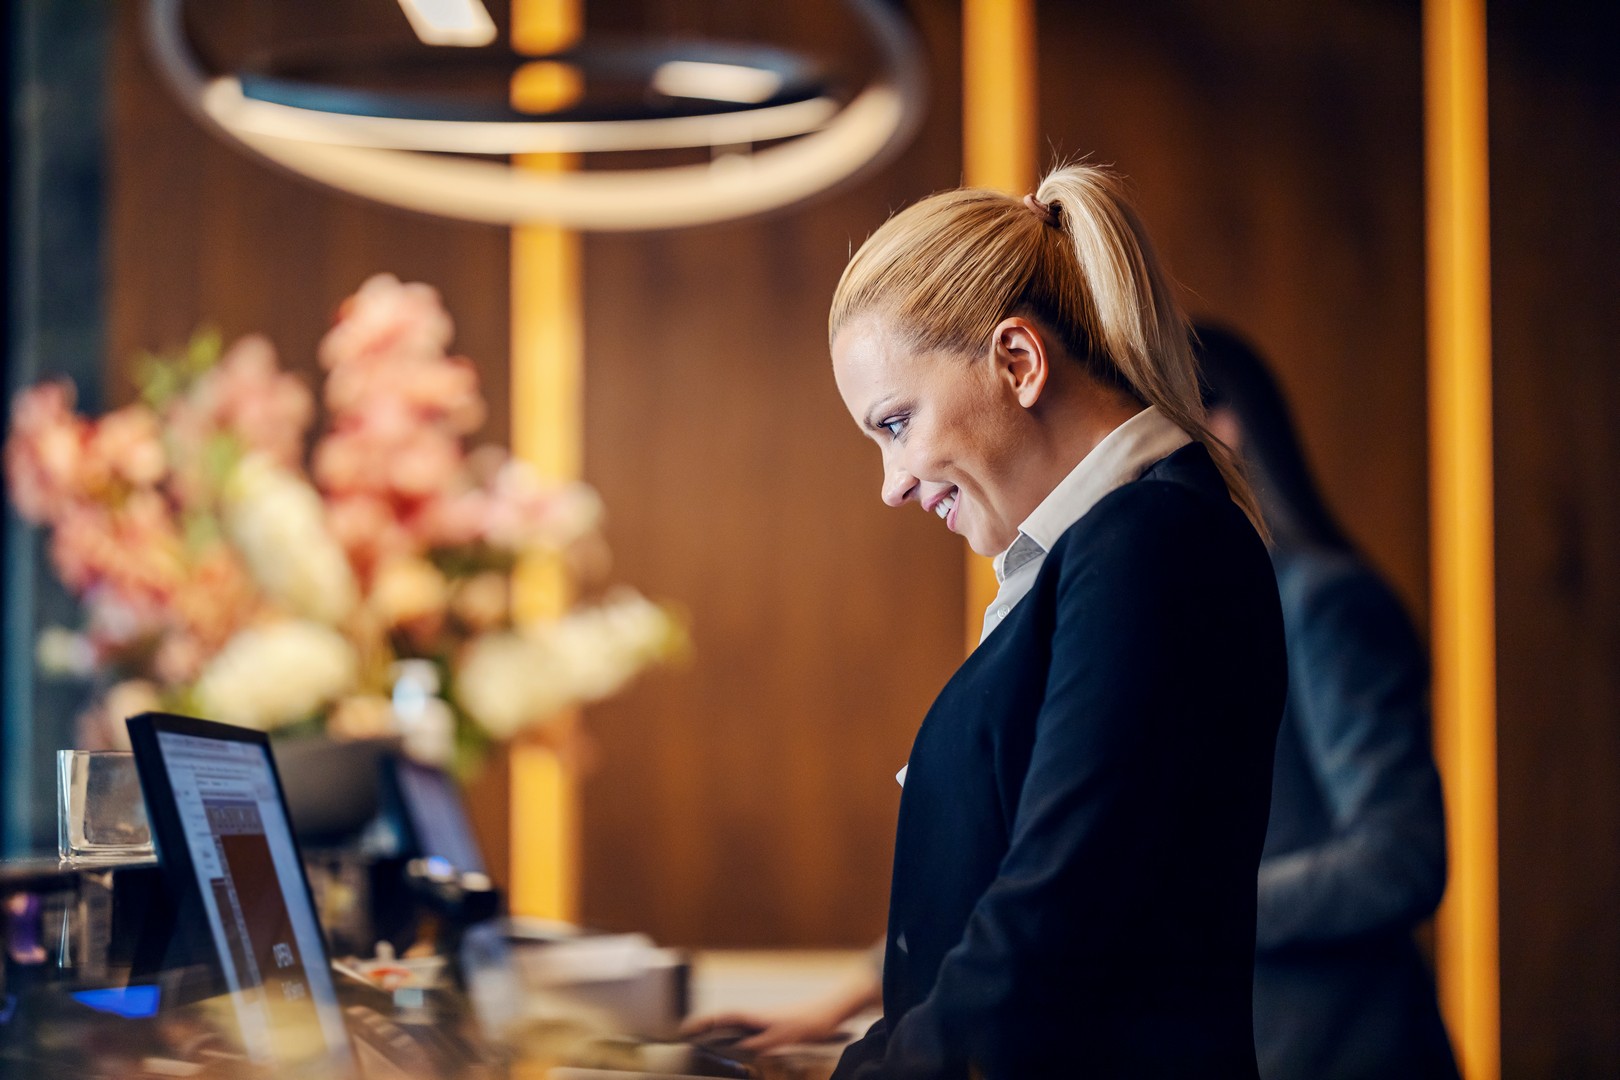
x,y
1555,258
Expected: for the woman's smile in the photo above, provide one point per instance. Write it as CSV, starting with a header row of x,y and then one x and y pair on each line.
x,y
945,506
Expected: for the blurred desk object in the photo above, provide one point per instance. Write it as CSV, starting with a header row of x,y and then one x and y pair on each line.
x,y
729,980
40,875
97,982
724,980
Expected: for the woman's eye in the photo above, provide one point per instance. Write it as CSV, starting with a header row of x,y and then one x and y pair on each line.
x,y
894,426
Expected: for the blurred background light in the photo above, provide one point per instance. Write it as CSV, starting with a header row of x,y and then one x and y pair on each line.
x,y
450,22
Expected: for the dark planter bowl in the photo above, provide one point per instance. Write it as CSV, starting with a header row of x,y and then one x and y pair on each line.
x,y
331,785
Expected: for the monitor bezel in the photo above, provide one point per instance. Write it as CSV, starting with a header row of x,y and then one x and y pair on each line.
x,y
168,832
397,811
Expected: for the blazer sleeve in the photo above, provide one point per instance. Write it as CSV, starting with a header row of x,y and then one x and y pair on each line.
x,y
1093,822
1359,689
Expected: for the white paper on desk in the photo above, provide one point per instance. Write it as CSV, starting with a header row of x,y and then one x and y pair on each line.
x,y
601,958
568,1072
620,982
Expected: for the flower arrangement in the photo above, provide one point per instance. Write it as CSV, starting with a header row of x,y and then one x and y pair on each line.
x,y
371,594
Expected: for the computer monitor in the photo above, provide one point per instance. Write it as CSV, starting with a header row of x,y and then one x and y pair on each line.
x,y
220,826
423,804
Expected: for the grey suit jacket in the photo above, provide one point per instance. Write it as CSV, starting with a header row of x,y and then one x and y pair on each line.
x,y
1355,854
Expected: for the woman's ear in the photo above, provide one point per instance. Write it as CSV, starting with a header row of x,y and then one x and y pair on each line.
x,y
1022,363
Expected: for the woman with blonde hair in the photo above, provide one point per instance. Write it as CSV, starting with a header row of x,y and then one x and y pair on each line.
x,y
1084,804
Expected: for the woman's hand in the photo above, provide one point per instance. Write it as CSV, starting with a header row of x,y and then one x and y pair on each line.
x,y
815,1021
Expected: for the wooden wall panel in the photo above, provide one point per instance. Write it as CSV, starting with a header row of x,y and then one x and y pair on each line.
x,y
1555,171
204,233
750,800
201,233
1276,153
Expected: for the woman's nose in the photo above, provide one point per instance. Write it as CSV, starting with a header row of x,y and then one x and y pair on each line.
x,y
898,487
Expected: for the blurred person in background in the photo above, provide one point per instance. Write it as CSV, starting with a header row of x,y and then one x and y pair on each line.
x,y
1355,855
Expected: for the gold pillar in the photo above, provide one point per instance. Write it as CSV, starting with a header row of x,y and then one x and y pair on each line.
x,y
1462,522
998,151
547,394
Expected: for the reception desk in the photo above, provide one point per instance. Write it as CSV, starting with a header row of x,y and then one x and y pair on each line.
x,y
99,981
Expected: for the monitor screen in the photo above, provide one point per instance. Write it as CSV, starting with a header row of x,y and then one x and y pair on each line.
x,y
436,819
222,817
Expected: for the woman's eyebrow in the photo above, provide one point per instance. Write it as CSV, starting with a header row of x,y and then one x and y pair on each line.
x,y
877,409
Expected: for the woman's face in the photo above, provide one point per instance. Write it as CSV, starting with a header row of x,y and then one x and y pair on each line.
x,y
950,429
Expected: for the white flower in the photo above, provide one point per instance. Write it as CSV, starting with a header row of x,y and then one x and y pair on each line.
x,y
408,587
272,675
603,647
60,651
276,521
509,681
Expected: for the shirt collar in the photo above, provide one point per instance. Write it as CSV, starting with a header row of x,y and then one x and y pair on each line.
x,y
1121,457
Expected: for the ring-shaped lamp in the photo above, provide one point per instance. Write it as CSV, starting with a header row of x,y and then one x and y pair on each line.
x,y
409,160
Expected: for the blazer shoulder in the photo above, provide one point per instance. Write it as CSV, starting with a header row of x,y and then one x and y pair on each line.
x,y
1165,515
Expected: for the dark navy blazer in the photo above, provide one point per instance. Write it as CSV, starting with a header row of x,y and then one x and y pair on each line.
x,y
1084,808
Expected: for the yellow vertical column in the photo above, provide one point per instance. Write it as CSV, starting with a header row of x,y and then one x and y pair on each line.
x,y
547,393
1462,522
998,151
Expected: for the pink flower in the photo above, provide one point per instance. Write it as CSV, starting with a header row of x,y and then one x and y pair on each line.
x,y
452,520
345,462
44,452
80,545
368,529
133,551
441,390
386,451
126,444
116,623
216,599
247,396
528,512
267,409
387,317
248,402
424,463
140,596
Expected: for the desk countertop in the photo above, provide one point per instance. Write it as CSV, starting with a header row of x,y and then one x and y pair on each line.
x,y
727,979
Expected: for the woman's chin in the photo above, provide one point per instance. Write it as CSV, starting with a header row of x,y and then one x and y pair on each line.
x,y
985,545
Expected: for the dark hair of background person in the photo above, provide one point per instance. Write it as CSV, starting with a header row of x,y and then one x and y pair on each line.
x,y
1232,376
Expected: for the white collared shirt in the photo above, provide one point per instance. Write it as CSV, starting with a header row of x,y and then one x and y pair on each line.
x,y
1125,454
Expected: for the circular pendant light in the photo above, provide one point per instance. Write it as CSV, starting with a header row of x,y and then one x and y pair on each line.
x,y
303,113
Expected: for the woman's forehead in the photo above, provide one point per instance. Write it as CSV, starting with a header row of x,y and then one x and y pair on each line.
x,y
870,352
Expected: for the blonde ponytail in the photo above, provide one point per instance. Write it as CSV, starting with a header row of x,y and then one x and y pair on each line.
x,y
947,269
1133,314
